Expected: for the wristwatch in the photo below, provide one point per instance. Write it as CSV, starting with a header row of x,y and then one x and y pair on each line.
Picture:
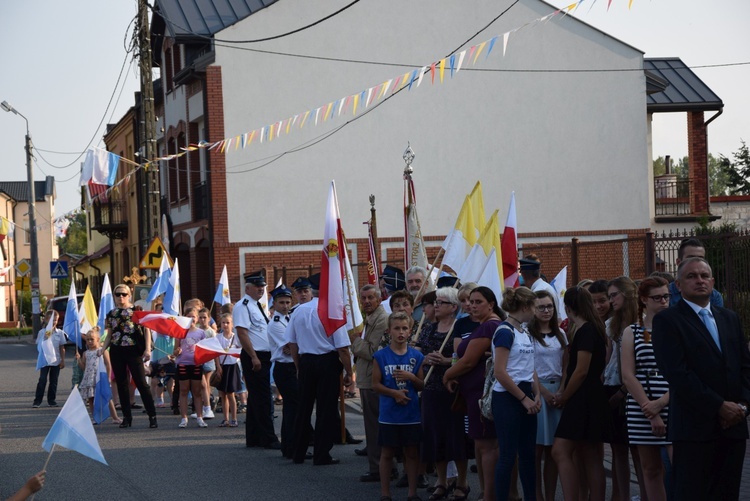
x,y
744,408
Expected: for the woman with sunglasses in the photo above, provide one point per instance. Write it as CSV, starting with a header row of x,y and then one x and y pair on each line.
x,y
550,362
128,348
648,398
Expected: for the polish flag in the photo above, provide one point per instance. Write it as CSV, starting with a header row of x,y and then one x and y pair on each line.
x,y
210,348
164,323
509,246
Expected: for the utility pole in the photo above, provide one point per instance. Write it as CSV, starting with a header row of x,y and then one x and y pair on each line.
x,y
148,122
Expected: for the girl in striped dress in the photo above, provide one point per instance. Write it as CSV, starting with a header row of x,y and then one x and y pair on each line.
x,y
648,391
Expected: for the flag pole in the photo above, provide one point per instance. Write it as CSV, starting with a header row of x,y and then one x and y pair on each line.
x,y
447,337
342,408
44,468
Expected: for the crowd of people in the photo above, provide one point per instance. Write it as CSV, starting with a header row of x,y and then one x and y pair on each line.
x,y
529,385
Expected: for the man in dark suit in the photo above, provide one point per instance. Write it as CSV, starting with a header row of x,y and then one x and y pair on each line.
x,y
702,352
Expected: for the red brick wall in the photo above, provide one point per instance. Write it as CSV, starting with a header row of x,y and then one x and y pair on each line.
x,y
698,165
224,253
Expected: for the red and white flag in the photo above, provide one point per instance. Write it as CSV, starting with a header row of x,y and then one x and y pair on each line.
x,y
210,348
331,295
164,323
510,246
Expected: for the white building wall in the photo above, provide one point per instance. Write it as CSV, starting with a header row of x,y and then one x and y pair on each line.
x,y
572,145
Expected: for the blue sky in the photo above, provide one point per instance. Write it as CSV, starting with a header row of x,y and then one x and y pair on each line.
x,y
61,61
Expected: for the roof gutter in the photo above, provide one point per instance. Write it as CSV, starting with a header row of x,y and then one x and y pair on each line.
x,y
705,124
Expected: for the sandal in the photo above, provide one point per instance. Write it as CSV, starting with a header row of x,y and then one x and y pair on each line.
x,y
116,420
224,423
233,423
440,492
463,490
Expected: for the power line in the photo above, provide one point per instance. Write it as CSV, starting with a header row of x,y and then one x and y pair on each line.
x,y
257,40
104,115
328,134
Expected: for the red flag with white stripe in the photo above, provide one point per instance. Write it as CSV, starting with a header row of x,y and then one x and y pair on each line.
x,y
164,323
210,348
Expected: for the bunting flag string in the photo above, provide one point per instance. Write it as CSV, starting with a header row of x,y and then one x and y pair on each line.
x,y
369,96
105,171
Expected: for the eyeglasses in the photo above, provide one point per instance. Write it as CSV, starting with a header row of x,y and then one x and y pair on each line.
x,y
660,298
121,294
614,295
546,307
440,303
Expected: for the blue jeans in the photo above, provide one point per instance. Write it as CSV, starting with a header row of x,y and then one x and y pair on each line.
x,y
53,371
516,437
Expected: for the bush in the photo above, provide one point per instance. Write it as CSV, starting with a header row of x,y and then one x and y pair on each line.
x,y
12,332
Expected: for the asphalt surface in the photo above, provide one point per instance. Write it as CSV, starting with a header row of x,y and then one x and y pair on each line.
x,y
168,462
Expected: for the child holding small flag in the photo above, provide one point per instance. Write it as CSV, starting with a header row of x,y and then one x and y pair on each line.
x,y
89,364
397,376
51,343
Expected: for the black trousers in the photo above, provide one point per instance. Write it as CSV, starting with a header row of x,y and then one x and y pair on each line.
x,y
53,371
708,470
319,386
122,359
285,376
259,423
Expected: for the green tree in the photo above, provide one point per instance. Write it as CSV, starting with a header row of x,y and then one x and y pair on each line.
x,y
74,242
738,171
718,179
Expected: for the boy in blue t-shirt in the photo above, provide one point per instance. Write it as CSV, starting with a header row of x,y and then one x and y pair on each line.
x,y
397,376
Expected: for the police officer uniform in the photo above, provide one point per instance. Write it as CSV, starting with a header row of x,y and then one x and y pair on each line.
x,y
248,314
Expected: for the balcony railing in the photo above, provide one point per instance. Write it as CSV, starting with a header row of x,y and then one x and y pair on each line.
x,y
672,196
111,219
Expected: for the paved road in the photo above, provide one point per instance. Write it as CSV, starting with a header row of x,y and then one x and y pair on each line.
x,y
190,463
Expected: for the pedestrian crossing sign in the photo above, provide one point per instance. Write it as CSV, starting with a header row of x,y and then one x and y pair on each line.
x,y
58,269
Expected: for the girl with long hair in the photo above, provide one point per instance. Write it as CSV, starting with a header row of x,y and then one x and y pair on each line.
x,y
585,422
550,362
648,399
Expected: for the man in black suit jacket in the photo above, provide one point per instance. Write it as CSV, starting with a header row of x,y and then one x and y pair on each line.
x,y
709,388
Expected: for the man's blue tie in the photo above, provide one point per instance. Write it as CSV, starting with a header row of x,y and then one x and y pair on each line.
x,y
710,324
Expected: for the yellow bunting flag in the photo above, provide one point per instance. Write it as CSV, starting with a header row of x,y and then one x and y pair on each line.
x,y
442,69
479,51
354,106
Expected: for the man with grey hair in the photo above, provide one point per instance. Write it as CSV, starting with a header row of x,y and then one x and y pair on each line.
x,y
364,347
415,278
701,350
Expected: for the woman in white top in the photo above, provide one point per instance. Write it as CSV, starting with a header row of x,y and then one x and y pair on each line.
x,y
550,363
515,395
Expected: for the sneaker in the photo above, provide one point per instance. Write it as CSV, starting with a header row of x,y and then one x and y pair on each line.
x,y
36,405
183,423
208,413
52,404
202,423
193,416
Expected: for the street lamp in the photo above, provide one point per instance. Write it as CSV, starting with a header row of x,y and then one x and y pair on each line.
x,y
36,321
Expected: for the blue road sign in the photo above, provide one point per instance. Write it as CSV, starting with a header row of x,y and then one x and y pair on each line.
x,y
58,269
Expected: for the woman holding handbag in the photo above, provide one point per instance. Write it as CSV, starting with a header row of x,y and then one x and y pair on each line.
x,y
128,348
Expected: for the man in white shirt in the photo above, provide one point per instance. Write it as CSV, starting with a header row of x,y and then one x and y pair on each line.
x,y
251,323
319,360
56,338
